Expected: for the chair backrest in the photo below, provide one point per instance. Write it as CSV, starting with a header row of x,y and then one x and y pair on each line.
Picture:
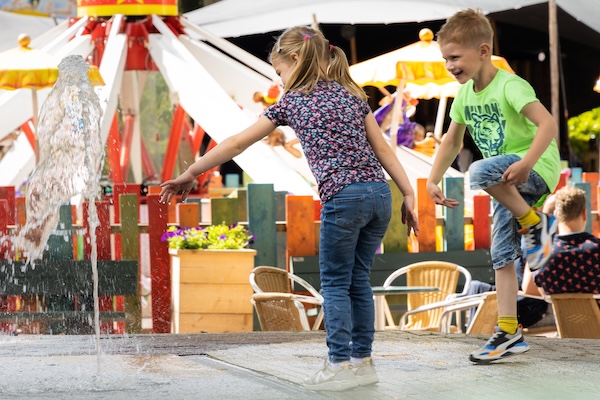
x,y
279,312
577,315
270,279
265,279
273,279
441,274
486,316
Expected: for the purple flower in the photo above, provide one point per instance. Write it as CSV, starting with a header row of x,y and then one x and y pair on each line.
x,y
169,234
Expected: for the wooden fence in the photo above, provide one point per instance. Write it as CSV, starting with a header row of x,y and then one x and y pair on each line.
x,y
284,225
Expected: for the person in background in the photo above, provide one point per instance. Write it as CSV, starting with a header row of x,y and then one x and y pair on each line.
x,y
574,264
521,165
347,155
383,115
423,142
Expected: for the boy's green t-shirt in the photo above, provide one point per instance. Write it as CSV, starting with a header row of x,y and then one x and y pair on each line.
x,y
493,117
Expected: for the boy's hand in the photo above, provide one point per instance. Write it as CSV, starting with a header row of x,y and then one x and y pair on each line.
x,y
183,184
438,197
517,173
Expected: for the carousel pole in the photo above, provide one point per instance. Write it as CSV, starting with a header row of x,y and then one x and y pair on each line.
x,y
439,118
397,117
554,71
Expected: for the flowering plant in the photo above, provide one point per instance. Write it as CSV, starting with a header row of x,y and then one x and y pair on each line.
x,y
215,237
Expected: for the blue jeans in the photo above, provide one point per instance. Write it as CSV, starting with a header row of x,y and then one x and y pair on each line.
x,y
353,223
506,239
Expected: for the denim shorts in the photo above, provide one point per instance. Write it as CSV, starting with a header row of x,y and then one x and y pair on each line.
x,y
506,239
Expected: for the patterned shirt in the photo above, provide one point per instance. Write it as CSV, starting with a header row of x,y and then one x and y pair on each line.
x,y
330,124
573,266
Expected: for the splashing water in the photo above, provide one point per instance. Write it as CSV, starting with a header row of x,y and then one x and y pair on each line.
x,y
70,158
70,154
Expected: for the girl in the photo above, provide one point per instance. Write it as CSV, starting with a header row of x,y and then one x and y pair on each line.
x,y
346,151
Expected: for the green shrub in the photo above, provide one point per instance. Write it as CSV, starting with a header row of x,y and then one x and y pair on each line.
x,y
582,129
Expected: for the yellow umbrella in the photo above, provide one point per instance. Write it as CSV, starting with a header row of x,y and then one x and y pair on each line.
x,y
420,65
27,68
420,69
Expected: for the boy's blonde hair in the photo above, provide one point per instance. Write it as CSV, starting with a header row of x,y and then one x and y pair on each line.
x,y
317,60
569,204
467,28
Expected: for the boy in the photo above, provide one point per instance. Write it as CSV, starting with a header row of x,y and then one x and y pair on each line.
x,y
521,164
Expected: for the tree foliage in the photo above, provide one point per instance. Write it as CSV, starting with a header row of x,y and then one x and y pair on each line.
x,y
584,128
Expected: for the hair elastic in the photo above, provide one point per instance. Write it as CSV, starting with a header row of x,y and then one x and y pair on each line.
x,y
307,36
331,48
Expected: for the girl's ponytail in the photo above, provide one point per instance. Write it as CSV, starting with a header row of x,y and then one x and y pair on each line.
x,y
339,71
318,60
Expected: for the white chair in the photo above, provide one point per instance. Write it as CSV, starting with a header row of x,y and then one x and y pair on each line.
x,y
264,279
280,311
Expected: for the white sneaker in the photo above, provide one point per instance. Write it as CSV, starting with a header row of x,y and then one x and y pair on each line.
x,y
365,372
336,380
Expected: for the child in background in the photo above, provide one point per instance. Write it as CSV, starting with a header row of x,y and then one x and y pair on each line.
x,y
521,164
424,142
346,152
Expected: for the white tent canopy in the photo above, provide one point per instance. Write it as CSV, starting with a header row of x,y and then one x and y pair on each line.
x,y
208,101
232,18
205,82
14,24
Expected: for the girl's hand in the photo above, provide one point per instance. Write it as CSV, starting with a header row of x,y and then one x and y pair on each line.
x,y
182,184
409,217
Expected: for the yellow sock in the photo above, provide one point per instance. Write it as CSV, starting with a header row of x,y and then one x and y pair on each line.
x,y
508,323
530,218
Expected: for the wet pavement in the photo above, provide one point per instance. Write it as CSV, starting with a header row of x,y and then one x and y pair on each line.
x,y
272,365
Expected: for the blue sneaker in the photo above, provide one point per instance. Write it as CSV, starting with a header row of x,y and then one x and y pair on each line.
x,y
538,240
500,345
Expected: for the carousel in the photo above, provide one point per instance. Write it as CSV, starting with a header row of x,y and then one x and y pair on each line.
x,y
211,89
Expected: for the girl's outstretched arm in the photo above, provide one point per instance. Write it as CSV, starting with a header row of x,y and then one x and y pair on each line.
x,y
223,152
392,165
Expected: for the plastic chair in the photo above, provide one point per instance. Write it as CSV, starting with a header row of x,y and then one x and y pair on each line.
x,y
577,315
264,279
486,316
441,274
280,312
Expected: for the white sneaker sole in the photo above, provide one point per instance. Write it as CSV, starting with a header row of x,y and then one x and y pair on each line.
x,y
333,386
366,380
513,351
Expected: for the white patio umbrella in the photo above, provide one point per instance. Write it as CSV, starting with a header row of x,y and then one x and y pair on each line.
x,y
26,68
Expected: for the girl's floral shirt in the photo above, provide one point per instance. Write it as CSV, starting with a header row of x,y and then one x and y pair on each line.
x,y
330,124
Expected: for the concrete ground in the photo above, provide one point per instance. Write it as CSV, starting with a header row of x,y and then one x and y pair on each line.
x,y
272,365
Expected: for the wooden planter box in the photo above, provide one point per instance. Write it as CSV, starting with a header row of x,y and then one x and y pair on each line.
x,y
211,291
